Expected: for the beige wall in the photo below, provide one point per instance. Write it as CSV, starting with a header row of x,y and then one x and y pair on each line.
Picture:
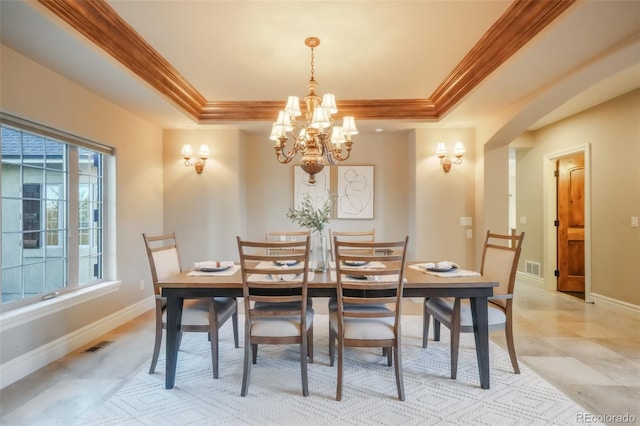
x,y
206,210
37,94
441,199
612,129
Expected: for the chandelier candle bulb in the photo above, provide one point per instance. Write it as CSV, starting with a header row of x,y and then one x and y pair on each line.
x,y
317,139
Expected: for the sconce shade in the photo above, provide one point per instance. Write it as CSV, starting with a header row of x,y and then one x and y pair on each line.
x,y
458,149
187,151
203,152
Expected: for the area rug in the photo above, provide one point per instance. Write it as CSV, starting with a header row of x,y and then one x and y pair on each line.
x,y
369,393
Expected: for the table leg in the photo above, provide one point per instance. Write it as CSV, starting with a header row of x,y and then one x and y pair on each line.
x,y
481,334
174,314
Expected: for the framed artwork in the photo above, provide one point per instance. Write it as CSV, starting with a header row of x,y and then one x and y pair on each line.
x,y
355,192
319,192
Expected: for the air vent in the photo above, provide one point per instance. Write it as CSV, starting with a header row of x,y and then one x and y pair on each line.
x,y
532,268
98,346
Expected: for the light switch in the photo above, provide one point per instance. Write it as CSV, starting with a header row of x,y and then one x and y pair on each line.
x,y
465,221
634,221
523,220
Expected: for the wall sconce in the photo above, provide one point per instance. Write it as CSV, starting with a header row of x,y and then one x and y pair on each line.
x,y
441,151
203,154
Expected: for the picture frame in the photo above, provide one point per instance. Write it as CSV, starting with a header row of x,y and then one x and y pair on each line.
x,y
319,192
355,191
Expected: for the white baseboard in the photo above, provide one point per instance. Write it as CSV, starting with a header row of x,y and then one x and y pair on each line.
x,y
598,298
17,368
530,279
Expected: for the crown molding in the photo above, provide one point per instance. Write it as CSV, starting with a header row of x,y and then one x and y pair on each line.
x,y
97,21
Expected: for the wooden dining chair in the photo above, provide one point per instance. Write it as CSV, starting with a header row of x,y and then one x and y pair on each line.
x,y
362,236
361,290
205,315
499,263
276,303
281,236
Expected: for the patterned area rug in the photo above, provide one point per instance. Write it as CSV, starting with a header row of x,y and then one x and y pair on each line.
x,y
369,393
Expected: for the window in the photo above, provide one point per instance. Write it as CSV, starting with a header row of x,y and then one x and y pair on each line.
x,y
52,212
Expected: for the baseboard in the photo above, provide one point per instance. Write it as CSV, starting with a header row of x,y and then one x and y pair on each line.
x,y
530,279
17,368
598,298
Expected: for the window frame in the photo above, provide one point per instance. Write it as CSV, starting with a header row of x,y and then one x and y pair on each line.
x,y
71,228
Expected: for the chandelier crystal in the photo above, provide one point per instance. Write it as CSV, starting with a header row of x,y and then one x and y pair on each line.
x,y
316,138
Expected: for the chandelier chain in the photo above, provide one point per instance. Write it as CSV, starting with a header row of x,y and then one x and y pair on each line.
x,y
312,63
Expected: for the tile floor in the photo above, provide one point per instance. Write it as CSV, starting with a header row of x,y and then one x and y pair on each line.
x,y
590,352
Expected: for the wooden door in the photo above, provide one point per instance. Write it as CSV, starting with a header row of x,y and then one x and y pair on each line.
x,y
570,223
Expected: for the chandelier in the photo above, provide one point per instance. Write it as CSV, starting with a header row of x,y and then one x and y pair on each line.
x,y
311,138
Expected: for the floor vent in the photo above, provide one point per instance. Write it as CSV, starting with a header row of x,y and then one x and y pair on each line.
x,y
98,346
532,268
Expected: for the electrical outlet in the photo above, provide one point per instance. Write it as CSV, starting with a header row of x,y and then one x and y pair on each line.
x,y
469,233
465,221
634,221
141,284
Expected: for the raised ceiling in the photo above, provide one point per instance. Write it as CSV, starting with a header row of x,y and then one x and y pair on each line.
x,y
390,63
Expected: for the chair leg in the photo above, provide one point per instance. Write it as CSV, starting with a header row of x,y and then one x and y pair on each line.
x,y
156,348
213,337
310,344
254,350
436,330
234,322
511,346
340,367
399,378
425,323
389,356
246,372
332,346
303,365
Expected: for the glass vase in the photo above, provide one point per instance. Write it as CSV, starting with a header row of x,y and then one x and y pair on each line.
x,y
319,251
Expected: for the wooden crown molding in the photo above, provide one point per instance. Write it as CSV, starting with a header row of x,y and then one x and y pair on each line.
x,y
97,21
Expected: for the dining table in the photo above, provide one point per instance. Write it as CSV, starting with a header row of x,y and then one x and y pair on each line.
x,y
418,284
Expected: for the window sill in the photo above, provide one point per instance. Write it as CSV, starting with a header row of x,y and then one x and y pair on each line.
x,y
20,316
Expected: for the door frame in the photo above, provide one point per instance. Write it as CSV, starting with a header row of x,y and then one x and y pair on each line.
x,y
549,216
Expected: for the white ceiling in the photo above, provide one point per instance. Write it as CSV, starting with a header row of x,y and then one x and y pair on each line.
x,y
254,50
